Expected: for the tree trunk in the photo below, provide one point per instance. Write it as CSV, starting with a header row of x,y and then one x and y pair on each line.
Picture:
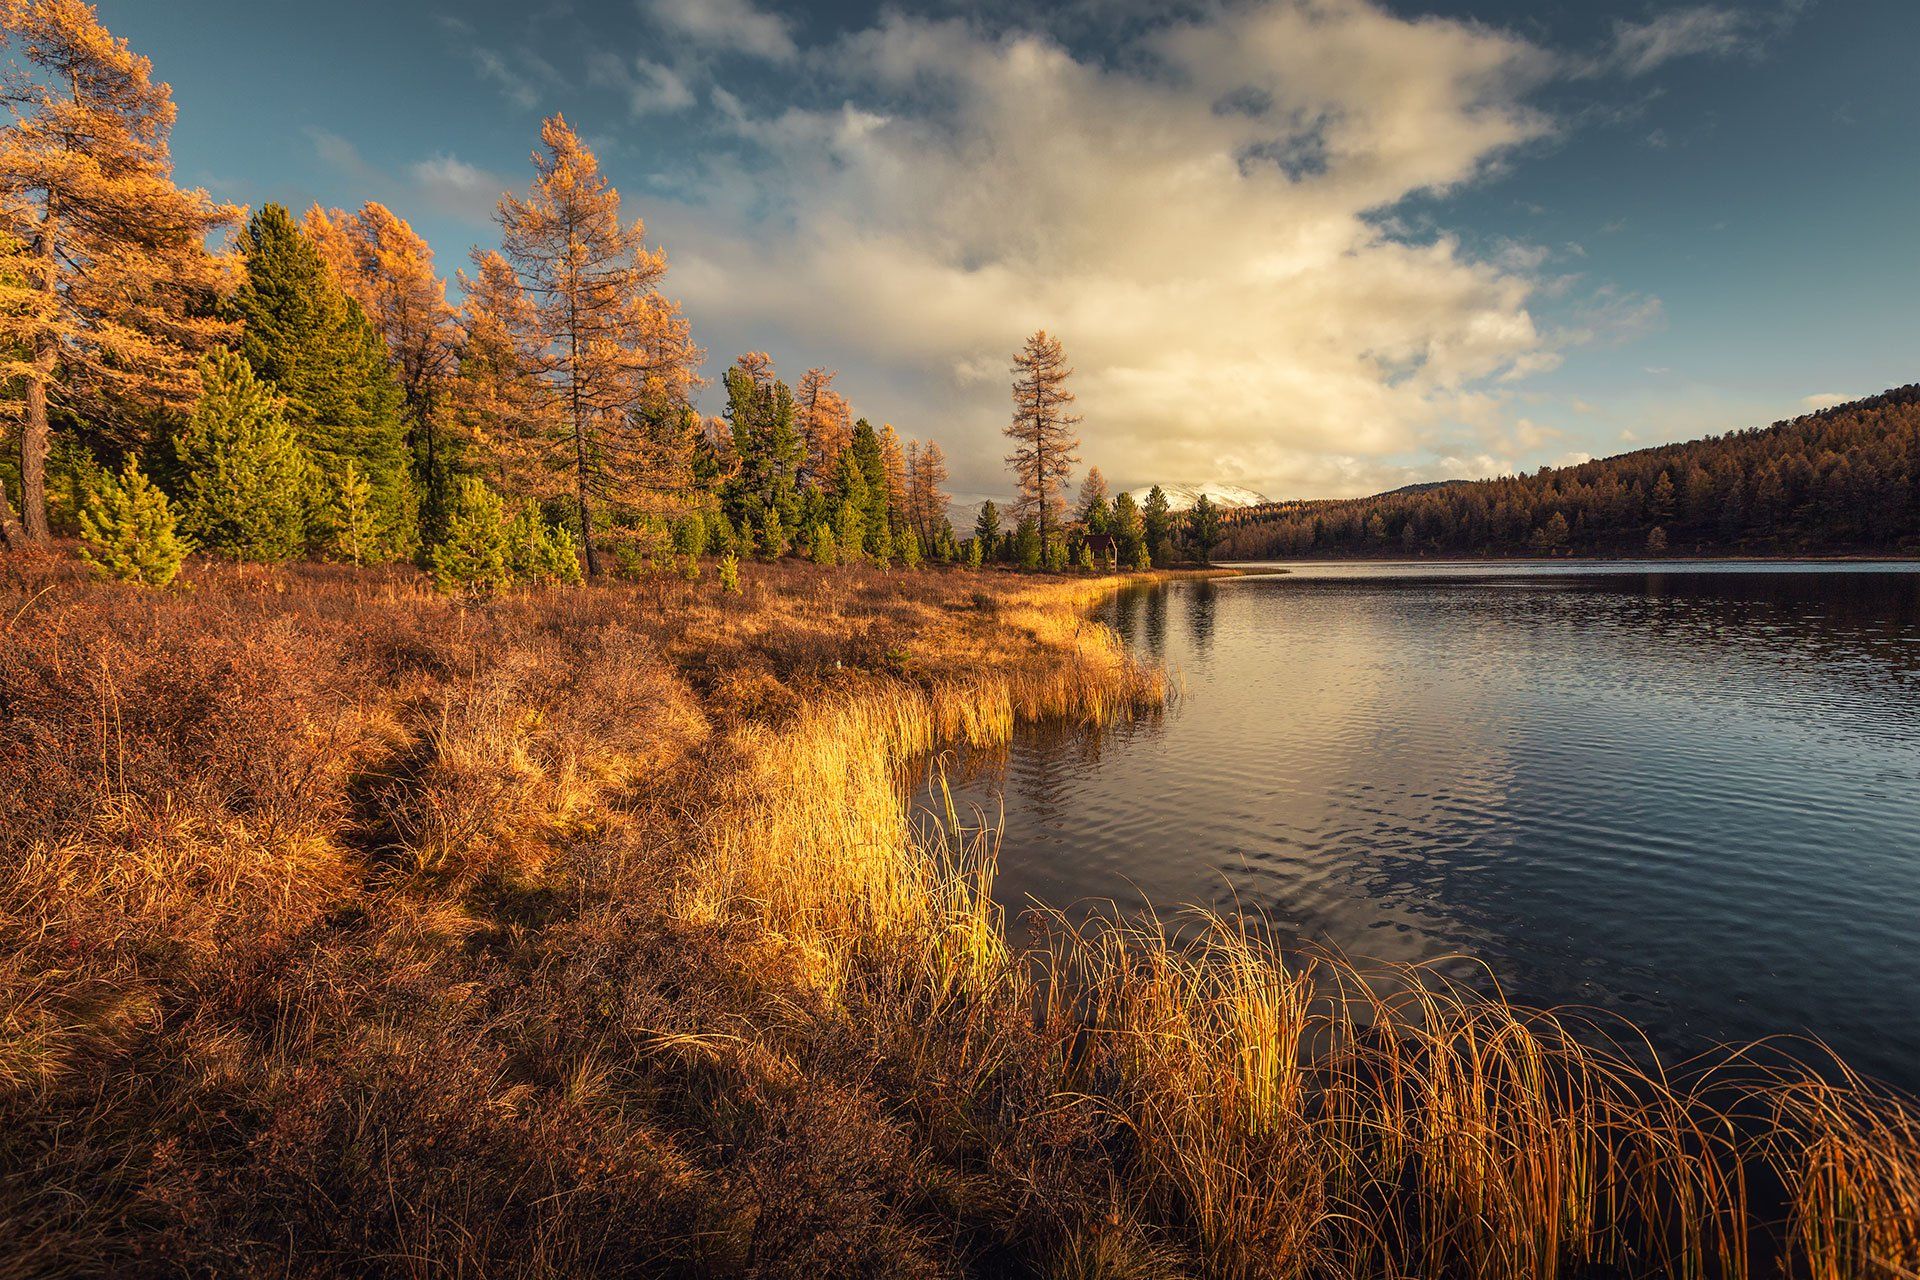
x,y
33,431
12,532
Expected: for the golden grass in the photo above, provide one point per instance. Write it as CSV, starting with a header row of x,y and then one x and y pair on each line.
x,y
346,929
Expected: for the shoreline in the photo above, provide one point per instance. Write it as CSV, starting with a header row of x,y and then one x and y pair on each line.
x,y
600,911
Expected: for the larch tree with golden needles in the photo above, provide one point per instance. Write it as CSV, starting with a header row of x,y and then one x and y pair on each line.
x,y
825,421
1045,447
104,298
385,266
495,395
615,358
926,498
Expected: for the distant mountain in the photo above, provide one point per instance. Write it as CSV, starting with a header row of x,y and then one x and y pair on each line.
x,y
1226,496
1845,480
1425,486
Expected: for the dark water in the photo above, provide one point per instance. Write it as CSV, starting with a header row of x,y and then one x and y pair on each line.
x,y
1689,794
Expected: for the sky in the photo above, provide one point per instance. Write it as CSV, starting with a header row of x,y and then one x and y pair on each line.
x,y
1315,248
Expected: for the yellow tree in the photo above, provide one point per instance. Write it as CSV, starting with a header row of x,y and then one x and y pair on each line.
x,y
615,358
1045,446
385,266
496,395
103,302
825,421
894,461
926,497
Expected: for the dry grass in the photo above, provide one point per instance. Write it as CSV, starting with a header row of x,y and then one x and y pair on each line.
x,y
343,929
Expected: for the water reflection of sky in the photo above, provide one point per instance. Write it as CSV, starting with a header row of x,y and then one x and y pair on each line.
x,y
1689,796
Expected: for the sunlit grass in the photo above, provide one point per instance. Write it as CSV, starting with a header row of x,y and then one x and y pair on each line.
x,y
588,932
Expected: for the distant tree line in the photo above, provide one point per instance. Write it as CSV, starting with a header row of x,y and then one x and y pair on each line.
x,y
1846,479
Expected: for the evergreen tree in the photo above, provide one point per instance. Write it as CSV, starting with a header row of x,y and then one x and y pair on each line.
x,y
538,551
1129,532
730,574
127,530
1027,547
875,516
824,552
909,548
246,483
314,344
973,552
986,528
1203,529
1156,520
355,534
476,556
766,440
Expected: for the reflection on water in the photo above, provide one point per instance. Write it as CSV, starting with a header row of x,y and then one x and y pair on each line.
x,y
1685,793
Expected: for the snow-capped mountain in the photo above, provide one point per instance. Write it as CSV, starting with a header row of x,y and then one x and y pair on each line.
x,y
1180,496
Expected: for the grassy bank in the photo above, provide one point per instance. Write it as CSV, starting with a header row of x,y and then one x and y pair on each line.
x,y
345,929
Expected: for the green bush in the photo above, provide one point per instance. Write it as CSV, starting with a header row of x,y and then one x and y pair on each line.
x,y
539,552
476,556
128,531
246,482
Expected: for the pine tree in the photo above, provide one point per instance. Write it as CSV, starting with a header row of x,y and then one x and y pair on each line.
x,y
539,552
1129,531
1027,546
1095,515
730,574
909,549
974,554
824,552
876,526
313,342
106,284
476,556
246,482
387,268
127,530
355,531
767,447
1156,521
1203,528
1045,448
613,359
986,528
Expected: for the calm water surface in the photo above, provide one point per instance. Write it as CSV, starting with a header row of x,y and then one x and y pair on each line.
x,y
1685,793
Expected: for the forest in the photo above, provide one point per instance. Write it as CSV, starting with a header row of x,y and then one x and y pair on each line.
x,y
180,375
1843,480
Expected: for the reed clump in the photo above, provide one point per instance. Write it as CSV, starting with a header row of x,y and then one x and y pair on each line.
x,y
345,929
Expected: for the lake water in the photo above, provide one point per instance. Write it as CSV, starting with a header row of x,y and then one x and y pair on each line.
x,y
1686,793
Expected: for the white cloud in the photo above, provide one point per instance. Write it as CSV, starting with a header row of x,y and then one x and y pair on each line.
x,y
1640,47
1822,400
451,185
650,87
1198,220
739,25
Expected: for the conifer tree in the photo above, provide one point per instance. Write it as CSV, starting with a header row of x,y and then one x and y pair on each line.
x,y
1129,532
1045,446
1027,547
613,358
825,425
876,526
127,529
1203,528
106,282
730,574
986,528
476,556
306,336
823,549
1095,515
909,549
926,504
539,552
766,443
246,483
387,268
355,534
974,553
1156,520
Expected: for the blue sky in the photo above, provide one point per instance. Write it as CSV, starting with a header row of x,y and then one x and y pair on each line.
x,y
1313,247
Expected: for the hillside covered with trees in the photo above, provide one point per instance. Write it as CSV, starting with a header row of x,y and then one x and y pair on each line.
x,y
1846,479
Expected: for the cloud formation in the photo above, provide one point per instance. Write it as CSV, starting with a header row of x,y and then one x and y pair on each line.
x,y
727,24
1198,219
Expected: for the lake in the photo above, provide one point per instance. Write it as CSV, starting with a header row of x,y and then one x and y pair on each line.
x,y
1688,793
